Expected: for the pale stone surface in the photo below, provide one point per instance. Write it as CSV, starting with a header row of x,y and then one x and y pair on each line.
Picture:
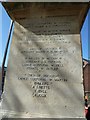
x,y
44,73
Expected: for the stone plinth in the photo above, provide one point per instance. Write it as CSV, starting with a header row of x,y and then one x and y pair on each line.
x,y
44,73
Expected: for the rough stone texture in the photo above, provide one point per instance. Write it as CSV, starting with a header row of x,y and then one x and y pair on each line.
x,y
44,73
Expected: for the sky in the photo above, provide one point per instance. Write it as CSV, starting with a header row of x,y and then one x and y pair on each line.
x,y
85,38
89,35
0,33
5,22
4,31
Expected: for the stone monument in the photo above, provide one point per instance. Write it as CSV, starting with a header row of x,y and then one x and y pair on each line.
x,y
47,0
44,75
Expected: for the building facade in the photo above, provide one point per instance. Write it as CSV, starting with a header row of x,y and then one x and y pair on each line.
x,y
86,73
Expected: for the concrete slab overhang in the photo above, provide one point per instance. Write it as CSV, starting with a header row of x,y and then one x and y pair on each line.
x,y
20,11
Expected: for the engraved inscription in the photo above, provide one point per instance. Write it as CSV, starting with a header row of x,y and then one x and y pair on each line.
x,y
44,54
